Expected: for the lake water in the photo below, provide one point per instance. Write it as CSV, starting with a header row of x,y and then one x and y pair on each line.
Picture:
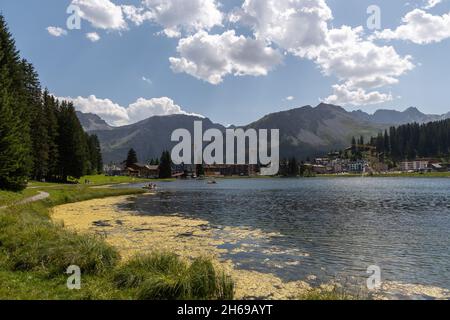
x,y
332,228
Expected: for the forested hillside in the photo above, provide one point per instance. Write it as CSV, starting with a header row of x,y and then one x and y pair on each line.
x,y
414,140
40,137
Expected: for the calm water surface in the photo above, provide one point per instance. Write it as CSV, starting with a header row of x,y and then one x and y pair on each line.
x,y
331,228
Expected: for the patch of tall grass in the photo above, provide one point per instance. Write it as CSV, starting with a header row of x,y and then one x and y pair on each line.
x,y
161,276
32,242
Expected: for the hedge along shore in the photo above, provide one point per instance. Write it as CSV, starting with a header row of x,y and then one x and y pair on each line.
x,y
133,234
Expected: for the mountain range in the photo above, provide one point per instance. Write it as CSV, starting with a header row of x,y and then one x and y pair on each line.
x,y
304,132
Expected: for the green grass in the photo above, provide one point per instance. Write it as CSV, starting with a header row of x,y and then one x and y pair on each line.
x,y
165,276
99,180
35,253
76,193
8,197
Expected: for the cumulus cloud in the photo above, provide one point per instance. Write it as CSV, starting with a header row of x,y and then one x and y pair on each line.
x,y
431,4
360,62
360,65
109,111
56,31
93,36
419,27
299,26
136,15
102,14
176,16
344,95
117,115
146,108
212,57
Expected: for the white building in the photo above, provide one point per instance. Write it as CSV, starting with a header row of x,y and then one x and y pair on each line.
x,y
419,165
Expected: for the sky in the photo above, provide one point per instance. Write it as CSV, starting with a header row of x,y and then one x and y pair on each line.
x,y
235,61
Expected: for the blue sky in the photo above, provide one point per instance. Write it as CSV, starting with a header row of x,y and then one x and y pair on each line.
x,y
127,64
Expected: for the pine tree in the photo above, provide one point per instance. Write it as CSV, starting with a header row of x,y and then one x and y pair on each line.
x,y
165,167
51,107
15,145
98,153
199,170
94,162
131,158
71,142
293,167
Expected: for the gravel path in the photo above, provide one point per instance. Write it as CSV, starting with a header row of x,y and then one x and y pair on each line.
x,y
41,196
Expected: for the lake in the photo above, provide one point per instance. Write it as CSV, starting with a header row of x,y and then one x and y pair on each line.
x,y
328,228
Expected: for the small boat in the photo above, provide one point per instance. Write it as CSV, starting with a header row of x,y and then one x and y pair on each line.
x,y
212,181
150,186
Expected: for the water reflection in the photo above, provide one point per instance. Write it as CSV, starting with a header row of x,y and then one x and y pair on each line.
x,y
324,227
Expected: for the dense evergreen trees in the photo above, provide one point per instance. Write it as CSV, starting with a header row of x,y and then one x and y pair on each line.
x,y
414,140
131,158
165,167
40,137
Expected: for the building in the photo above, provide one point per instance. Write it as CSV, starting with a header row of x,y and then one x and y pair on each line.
x,y
356,166
143,171
319,169
223,170
113,170
417,165
438,167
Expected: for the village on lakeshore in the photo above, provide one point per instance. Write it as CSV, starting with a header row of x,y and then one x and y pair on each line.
x,y
356,160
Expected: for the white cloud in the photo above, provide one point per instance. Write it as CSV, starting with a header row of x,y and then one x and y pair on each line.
x,y
146,108
431,4
102,14
290,98
148,80
360,62
93,36
56,31
301,28
419,27
343,95
109,111
136,15
117,115
176,16
212,57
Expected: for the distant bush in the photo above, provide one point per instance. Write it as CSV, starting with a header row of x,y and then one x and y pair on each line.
x,y
165,276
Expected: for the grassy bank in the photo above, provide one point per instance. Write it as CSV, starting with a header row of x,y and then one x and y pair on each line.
x,y
100,180
7,198
35,253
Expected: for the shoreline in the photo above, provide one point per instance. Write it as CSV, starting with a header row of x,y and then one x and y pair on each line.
x,y
133,234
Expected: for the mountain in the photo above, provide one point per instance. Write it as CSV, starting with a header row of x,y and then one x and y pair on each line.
x,y
394,117
307,131
92,122
149,137
304,132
